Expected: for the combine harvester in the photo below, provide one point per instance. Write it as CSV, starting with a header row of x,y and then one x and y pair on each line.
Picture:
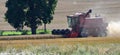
x,y
82,25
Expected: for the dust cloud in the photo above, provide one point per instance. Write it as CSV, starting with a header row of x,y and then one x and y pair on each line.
x,y
113,29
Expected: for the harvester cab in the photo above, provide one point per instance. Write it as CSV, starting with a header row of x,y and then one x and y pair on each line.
x,y
76,22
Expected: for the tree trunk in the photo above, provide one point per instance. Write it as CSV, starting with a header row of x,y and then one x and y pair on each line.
x,y
45,30
33,30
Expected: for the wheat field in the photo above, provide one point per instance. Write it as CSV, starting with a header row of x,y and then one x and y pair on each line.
x,y
108,9
62,46
60,41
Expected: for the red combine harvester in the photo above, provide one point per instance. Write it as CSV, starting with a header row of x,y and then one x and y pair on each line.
x,y
82,25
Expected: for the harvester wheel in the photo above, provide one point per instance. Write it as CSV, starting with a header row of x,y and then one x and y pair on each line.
x,y
63,32
67,31
58,32
54,31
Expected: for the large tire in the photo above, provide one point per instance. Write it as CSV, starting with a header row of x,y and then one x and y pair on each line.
x,y
58,32
62,32
67,31
54,31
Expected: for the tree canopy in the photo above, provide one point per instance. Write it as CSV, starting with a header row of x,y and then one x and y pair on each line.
x,y
31,13
15,14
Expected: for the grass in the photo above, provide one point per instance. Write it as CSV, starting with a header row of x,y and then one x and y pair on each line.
x,y
23,32
77,49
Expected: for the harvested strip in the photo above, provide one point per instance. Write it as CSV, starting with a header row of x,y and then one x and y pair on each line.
x,y
26,37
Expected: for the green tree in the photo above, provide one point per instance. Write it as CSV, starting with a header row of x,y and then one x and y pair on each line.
x,y
15,14
31,13
48,11
40,11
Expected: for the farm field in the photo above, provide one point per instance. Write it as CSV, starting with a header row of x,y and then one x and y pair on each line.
x,y
62,46
110,45
77,49
61,41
